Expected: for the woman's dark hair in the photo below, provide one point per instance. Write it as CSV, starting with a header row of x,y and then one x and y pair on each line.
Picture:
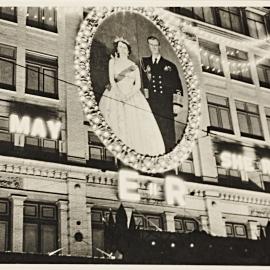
x,y
115,44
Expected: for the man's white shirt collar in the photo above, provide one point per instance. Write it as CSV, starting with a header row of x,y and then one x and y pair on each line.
x,y
154,58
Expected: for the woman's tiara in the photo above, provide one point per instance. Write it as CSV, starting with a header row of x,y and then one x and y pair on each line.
x,y
117,39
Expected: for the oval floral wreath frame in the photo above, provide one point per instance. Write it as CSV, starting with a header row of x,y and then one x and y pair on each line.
x,y
144,163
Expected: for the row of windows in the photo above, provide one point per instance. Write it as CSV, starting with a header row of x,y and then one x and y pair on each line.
x,y
142,222
41,72
247,113
40,17
237,19
237,60
97,151
39,227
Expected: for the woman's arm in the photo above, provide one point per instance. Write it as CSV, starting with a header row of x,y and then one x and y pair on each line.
x,y
111,72
137,83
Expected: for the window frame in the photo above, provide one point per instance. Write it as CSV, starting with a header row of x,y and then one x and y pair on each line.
x,y
218,108
13,61
6,217
248,114
233,225
41,64
237,61
39,221
39,24
253,20
264,68
183,221
8,17
206,46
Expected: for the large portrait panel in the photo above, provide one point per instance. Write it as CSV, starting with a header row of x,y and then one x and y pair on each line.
x,y
137,86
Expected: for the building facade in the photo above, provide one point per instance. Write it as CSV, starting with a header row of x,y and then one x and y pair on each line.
x,y
57,180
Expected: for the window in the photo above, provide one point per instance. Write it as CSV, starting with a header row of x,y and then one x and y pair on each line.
x,y
43,18
148,222
42,143
7,67
263,69
239,65
4,225
267,113
97,150
200,13
230,18
249,120
219,113
41,75
256,25
210,57
185,225
39,227
8,13
98,216
236,230
5,136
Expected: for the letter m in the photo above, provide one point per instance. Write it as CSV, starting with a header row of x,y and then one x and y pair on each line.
x,y
17,125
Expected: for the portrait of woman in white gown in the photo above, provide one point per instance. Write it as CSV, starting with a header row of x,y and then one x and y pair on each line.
x,y
125,108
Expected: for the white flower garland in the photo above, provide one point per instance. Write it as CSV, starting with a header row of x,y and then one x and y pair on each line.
x,y
144,163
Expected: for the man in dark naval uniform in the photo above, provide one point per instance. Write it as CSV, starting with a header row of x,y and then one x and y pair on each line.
x,y
161,81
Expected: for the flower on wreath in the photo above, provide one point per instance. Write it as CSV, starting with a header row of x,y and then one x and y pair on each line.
x,y
167,68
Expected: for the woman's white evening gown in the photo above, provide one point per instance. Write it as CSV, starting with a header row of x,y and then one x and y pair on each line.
x,y
128,113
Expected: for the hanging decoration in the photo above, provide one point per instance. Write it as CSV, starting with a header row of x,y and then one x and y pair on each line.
x,y
144,163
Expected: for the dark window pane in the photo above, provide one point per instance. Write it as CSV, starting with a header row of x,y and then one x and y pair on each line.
x,y
208,15
229,230
240,230
49,81
30,210
30,237
3,208
95,153
97,241
4,123
217,100
213,116
3,235
255,124
48,212
225,19
33,14
190,226
49,16
6,72
225,118
243,122
49,144
48,238
179,225
96,217
32,77
236,23
139,222
154,222
31,141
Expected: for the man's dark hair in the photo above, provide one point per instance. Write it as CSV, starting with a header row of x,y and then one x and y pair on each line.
x,y
153,38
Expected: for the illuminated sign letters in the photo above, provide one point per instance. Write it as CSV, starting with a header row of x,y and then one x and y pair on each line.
x,y
243,163
128,185
34,127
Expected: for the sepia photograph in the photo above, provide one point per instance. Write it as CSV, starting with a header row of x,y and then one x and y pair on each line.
x,y
135,135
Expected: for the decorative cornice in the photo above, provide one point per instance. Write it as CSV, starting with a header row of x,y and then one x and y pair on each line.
x,y
31,170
